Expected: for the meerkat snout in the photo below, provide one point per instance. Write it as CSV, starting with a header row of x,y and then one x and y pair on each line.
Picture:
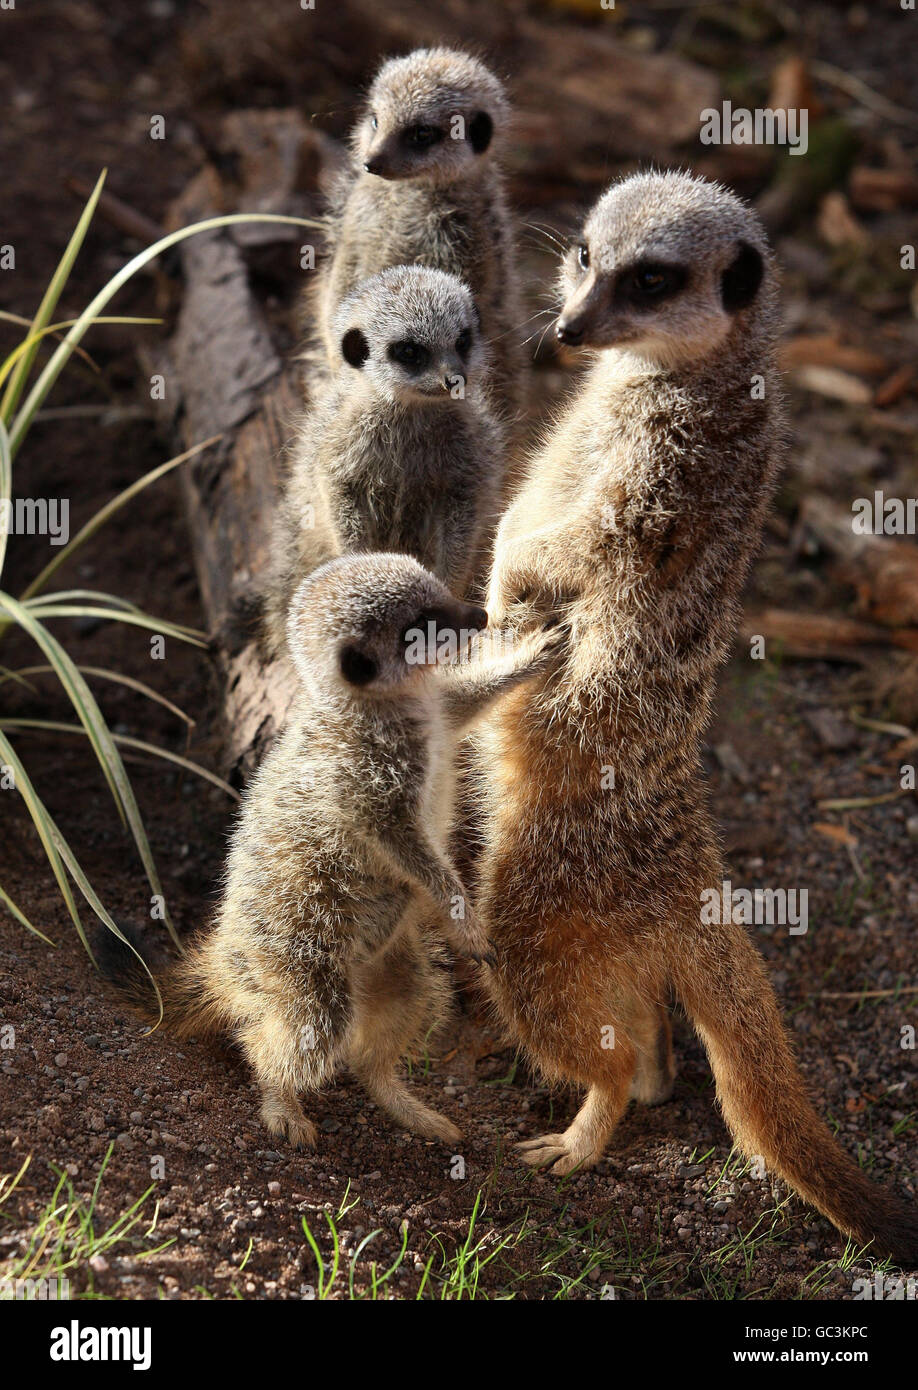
x,y
665,267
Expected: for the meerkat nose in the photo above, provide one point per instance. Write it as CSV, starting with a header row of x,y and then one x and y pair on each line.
x,y
478,618
373,166
571,333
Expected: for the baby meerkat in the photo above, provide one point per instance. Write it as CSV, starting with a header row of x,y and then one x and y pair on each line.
x,y
638,518
401,451
424,186
325,948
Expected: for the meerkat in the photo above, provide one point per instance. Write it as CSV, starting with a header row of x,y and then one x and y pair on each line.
x,y
326,946
424,185
402,451
638,519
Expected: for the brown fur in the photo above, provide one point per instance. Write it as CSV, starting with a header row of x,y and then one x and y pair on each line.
x,y
638,520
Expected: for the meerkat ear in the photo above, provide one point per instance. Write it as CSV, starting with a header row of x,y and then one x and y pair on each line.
x,y
354,348
739,283
356,667
481,128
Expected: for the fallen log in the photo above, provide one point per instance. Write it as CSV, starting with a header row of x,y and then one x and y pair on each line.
x,y
229,371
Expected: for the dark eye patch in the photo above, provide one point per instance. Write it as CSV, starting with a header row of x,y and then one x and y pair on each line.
x,y
356,667
740,282
354,348
481,128
646,284
422,137
414,357
464,342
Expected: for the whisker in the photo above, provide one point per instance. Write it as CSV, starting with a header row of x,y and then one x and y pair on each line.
x,y
517,326
549,235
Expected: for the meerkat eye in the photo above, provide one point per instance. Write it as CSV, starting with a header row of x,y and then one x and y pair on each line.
x,y
583,256
650,281
410,355
464,342
374,122
356,667
421,137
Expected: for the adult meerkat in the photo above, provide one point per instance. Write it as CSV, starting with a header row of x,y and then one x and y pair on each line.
x,y
324,951
638,518
424,186
401,451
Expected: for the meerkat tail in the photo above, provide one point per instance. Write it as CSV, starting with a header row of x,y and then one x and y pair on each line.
x,y
722,984
188,1005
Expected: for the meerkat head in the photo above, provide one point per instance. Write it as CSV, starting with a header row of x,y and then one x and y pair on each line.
x,y
665,267
413,335
371,625
434,115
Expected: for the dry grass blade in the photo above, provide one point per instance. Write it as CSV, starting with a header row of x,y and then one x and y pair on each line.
x,y
21,917
48,304
110,509
101,673
125,740
58,359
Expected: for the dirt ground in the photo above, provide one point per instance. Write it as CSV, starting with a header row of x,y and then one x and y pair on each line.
x,y
668,1213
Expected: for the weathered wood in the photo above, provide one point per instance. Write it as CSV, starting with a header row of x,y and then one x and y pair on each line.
x,y
228,374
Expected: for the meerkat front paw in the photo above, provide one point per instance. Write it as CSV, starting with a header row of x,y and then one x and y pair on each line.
x,y
469,939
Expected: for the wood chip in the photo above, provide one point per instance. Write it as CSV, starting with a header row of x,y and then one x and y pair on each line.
x,y
838,833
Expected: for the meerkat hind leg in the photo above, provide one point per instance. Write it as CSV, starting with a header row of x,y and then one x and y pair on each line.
x,y
655,1067
399,995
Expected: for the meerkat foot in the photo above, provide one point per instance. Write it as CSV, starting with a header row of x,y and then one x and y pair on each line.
x,y
562,1153
282,1116
584,1141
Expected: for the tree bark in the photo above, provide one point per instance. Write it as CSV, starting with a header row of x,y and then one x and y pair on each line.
x,y
228,371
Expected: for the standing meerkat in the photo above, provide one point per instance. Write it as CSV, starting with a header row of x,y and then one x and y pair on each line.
x,y
424,186
324,950
638,518
401,451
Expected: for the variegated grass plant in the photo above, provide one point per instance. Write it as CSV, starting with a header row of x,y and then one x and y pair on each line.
x,y
24,388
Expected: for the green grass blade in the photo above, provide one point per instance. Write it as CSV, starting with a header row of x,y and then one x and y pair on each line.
x,y
103,744
49,303
126,741
22,918
43,824
58,359
109,510
102,673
